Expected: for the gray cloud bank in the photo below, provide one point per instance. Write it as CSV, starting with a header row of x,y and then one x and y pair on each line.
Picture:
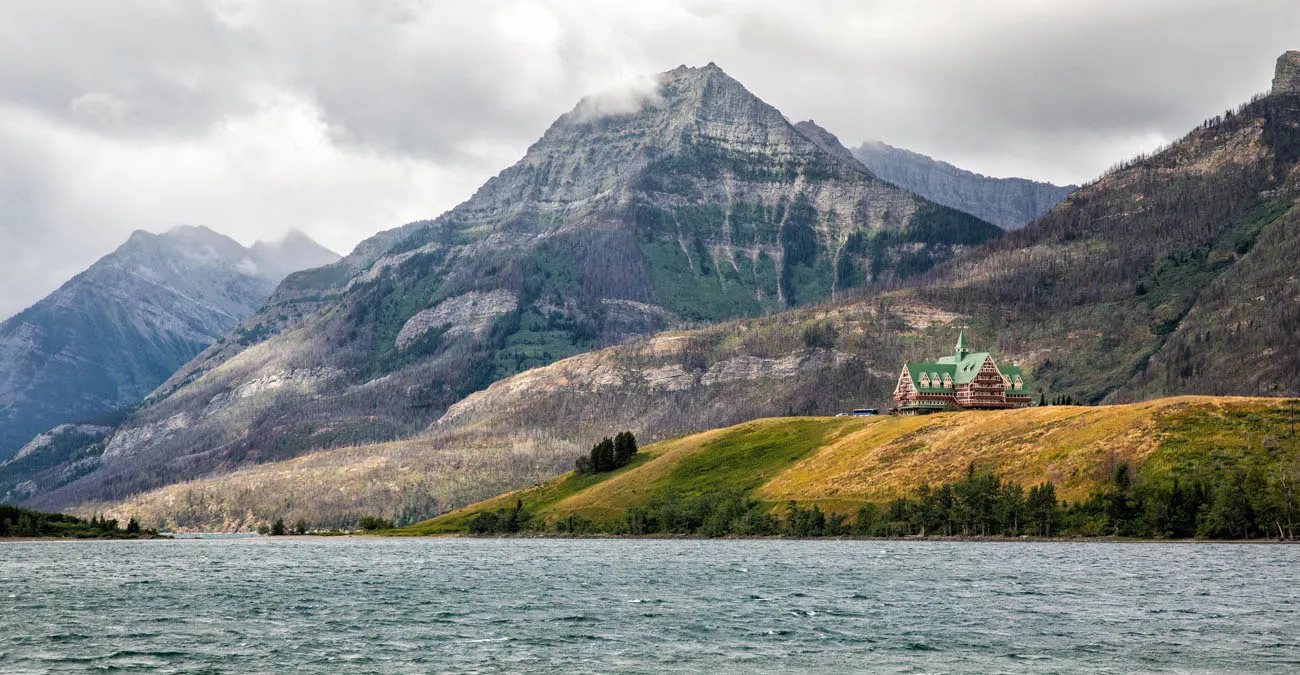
x,y
342,118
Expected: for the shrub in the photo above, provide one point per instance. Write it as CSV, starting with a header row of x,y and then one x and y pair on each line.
x,y
371,523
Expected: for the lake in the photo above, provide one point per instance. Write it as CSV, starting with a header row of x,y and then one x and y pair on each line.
x,y
647,606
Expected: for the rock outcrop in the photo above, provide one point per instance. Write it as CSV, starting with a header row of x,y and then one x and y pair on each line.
x,y
1286,78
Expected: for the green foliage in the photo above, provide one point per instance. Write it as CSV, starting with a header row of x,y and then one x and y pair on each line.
x,y
741,460
372,523
624,448
1264,214
934,224
319,279
602,456
1232,474
19,522
765,276
820,335
805,273
502,521
69,455
701,158
608,454
278,529
717,514
696,290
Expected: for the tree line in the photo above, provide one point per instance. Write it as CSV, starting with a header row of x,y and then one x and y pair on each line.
x,y
18,522
1237,504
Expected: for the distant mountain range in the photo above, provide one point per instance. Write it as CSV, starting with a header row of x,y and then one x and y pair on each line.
x,y
1010,203
111,334
444,362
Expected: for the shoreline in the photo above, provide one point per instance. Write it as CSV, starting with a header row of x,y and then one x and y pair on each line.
x,y
238,536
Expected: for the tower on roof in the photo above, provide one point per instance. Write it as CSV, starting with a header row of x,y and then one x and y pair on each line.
x,y
964,380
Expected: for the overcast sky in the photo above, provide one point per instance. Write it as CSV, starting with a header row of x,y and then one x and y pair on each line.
x,y
345,118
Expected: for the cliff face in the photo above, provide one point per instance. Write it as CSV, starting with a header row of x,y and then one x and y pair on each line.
x,y
698,203
1286,78
1010,203
110,335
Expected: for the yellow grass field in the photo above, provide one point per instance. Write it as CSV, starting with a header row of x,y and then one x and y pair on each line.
x,y
842,462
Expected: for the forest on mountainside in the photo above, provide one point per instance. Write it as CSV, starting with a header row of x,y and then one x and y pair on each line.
x,y
1193,218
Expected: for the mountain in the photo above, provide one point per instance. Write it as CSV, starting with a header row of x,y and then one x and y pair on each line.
x,y
699,204
1172,274
113,333
841,464
1010,203
295,251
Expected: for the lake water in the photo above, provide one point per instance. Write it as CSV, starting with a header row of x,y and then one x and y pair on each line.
x,y
638,606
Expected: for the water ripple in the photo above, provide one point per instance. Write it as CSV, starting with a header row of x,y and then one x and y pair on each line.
x,y
602,606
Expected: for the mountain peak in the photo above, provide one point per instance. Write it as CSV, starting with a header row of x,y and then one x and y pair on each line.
x,y
1286,77
684,69
293,251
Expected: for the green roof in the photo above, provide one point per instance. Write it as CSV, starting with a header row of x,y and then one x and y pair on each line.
x,y
966,367
915,368
961,367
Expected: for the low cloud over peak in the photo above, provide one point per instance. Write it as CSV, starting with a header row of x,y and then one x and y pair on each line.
x,y
344,117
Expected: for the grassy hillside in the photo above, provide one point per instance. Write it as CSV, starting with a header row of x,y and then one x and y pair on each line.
x,y
842,463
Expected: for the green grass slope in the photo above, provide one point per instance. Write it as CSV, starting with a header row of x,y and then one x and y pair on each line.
x,y
842,463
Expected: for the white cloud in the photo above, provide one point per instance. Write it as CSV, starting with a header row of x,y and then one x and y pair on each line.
x,y
343,117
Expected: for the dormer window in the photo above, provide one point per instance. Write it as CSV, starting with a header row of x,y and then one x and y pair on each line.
x,y
925,380
947,381
1020,384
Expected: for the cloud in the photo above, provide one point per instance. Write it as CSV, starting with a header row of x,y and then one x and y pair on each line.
x,y
343,117
629,98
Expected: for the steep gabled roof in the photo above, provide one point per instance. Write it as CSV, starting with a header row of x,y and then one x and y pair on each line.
x,y
961,367
965,369
916,368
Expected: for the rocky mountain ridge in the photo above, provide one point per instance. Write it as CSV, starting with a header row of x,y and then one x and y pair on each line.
x,y
1010,203
107,337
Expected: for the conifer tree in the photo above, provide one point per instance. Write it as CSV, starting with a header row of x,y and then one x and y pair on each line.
x,y
602,456
624,448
